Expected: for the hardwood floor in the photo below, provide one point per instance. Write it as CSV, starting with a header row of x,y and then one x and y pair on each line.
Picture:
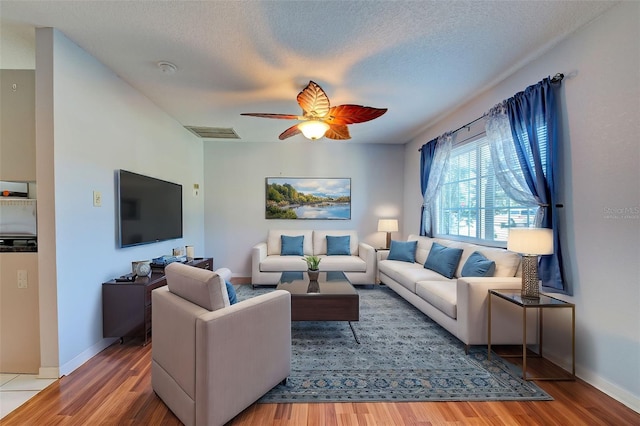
x,y
114,388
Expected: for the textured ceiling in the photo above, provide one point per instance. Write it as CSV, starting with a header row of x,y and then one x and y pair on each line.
x,y
419,59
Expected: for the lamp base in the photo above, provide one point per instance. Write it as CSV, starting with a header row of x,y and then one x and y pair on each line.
x,y
530,286
388,240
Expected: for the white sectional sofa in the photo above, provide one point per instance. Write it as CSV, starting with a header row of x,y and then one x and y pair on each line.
x,y
267,262
459,304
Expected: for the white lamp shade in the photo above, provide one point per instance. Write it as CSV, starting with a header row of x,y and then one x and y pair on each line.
x,y
533,241
388,225
313,129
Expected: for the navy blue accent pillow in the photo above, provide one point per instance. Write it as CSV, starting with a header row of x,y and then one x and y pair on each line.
x,y
291,246
403,250
478,266
443,260
338,246
231,291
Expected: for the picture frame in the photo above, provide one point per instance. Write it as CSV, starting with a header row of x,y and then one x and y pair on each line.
x,y
308,198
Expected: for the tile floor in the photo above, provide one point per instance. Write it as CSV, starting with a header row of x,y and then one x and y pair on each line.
x,y
16,389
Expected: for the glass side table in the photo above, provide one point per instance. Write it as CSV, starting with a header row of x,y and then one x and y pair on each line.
x,y
542,303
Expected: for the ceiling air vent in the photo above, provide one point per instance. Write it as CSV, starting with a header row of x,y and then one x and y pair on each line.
x,y
213,132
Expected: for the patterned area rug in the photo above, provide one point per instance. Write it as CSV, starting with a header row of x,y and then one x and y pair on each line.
x,y
403,356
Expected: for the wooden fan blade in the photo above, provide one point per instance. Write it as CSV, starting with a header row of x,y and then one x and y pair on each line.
x,y
337,132
350,114
278,116
291,131
313,101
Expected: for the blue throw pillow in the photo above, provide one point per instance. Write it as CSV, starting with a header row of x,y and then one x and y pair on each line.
x,y
403,250
478,266
291,246
231,291
443,260
338,246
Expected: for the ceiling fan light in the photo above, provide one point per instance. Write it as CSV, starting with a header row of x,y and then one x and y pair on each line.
x,y
313,129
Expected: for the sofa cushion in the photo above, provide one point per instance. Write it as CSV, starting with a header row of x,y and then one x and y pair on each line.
x,y
403,250
338,245
199,286
440,294
320,241
283,263
291,246
342,263
478,266
407,274
274,242
443,260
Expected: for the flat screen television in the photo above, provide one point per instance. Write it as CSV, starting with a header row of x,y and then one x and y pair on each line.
x,y
149,209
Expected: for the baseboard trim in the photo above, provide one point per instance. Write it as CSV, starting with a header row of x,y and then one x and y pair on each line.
x,y
85,356
621,395
49,373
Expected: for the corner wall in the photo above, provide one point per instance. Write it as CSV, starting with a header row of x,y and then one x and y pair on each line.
x,y
600,176
90,123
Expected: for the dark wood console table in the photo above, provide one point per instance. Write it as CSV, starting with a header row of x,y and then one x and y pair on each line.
x,y
126,306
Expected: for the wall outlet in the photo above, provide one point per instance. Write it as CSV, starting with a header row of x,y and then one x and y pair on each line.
x,y
196,189
97,199
22,278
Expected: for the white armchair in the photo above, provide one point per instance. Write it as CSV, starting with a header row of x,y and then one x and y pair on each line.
x,y
211,360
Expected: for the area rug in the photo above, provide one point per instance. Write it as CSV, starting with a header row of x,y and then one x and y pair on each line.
x,y
403,356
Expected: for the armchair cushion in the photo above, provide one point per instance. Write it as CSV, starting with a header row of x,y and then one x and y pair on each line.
x,y
199,286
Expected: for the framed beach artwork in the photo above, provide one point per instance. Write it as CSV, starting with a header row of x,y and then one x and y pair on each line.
x,y
308,198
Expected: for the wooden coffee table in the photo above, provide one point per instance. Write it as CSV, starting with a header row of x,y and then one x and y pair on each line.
x,y
330,298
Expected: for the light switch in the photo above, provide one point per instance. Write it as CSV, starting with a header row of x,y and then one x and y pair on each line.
x,y
97,199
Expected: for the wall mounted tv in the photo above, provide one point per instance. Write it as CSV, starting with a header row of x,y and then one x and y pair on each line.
x,y
149,209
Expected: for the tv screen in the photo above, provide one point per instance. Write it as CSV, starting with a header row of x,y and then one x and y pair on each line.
x,y
150,209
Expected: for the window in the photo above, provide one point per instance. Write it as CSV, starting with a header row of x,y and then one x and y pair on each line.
x,y
472,205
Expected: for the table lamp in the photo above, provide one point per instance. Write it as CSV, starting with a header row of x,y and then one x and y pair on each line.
x,y
388,226
530,242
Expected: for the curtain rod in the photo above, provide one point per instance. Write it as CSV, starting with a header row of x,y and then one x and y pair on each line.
x,y
556,79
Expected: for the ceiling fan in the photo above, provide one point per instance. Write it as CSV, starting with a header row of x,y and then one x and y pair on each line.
x,y
319,118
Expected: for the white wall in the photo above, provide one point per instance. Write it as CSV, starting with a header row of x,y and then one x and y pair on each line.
x,y
235,191
90,124
601,178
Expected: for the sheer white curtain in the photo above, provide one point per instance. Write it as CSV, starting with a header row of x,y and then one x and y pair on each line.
x,y
506,166
438,170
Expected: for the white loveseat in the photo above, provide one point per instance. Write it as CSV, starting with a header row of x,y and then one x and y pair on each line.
x,y
459,304
267,263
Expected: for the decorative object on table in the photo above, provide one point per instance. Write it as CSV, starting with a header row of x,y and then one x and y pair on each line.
x,y
190,251
314,286
530,242
313,265
319,119
141,268
178,251
162,261
308,198
388,226
313,262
